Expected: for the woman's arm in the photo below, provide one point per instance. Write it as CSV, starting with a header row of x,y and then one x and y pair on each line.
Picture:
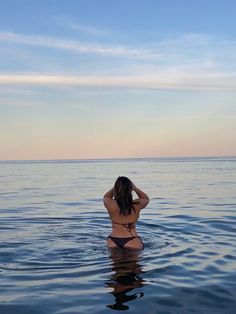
x,y
143,198
108,196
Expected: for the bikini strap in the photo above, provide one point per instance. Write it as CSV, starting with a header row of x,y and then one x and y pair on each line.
x,y
128,226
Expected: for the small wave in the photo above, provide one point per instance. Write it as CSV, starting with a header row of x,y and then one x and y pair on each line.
x,y
73,203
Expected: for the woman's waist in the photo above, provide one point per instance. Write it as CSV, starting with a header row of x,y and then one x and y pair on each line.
x,y
119,233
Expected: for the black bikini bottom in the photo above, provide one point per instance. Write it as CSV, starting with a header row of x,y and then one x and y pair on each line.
x,y
120,242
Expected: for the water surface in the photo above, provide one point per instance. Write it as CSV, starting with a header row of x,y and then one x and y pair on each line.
x,y
53,257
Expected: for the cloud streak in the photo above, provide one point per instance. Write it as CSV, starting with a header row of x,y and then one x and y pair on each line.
x,y
171,64
214,81
198,49
78,47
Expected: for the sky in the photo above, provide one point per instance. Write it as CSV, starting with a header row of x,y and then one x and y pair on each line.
x,y
113,79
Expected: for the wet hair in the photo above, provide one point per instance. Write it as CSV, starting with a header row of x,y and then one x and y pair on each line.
x,y
123,195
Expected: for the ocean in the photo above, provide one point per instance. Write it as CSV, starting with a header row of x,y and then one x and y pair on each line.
x,y
53,230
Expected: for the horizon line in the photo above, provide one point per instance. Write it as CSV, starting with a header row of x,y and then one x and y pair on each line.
x,y
113,158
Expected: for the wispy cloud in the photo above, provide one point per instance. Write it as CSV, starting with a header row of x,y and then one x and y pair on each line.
x,y
71,24
78,47
185,62
185,49
178,81
90,30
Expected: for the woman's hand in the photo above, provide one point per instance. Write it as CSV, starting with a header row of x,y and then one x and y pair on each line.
x,y
133,187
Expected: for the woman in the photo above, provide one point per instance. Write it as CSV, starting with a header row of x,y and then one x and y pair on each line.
x,y
124,213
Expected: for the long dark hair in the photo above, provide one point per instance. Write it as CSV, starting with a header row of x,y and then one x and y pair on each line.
x,y
123,195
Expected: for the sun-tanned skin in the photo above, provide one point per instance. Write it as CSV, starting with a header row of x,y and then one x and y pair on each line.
x,y
124,226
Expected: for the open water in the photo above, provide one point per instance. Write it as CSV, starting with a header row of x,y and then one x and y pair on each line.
x,y
53,229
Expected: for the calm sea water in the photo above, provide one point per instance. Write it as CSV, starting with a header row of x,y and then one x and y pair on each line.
x,y
53,229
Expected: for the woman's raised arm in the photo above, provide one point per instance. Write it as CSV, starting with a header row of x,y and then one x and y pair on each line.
x,y
143,198
108,196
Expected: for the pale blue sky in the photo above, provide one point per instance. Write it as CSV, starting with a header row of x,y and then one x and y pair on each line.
x,y
91,79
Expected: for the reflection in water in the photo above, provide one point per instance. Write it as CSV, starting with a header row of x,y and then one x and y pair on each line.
x,y
125,278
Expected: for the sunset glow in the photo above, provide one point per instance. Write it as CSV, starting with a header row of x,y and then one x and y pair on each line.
x,y
85,81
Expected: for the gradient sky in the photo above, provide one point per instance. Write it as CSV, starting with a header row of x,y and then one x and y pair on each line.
x,y
127,78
